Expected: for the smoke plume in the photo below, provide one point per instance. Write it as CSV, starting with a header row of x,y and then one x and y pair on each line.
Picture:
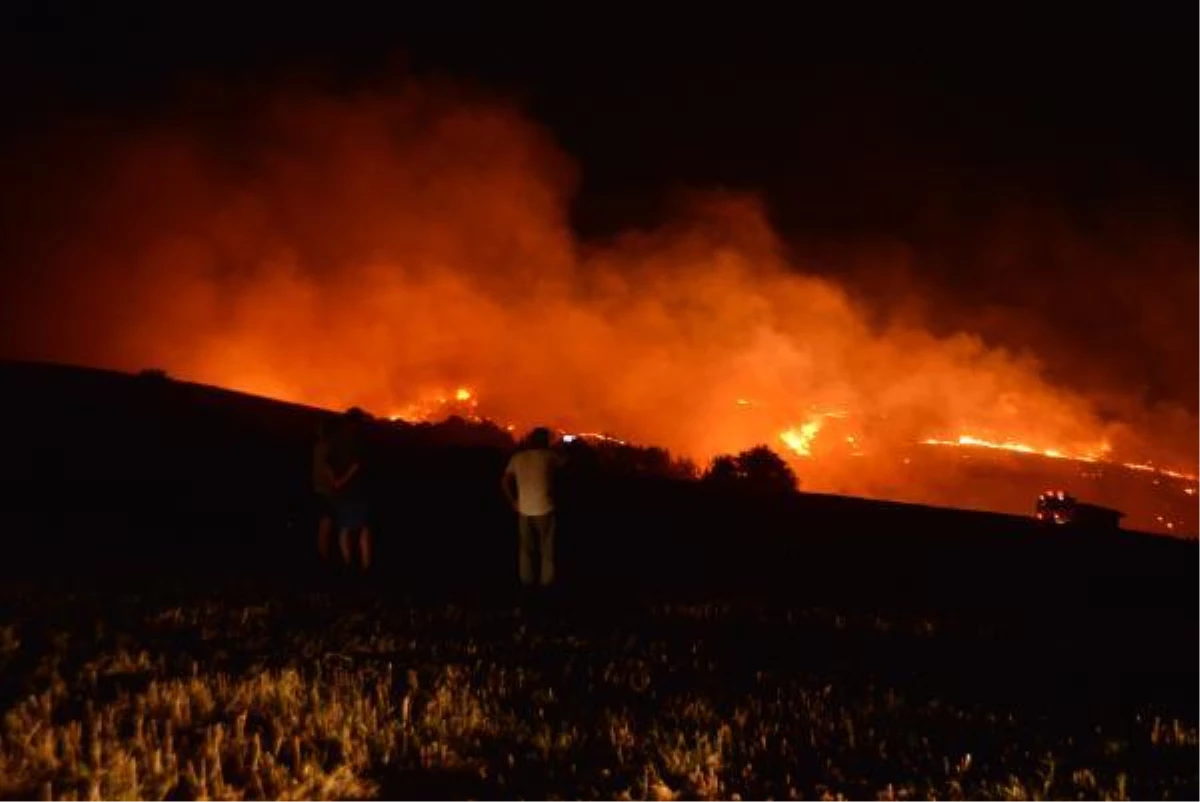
x,y
375,248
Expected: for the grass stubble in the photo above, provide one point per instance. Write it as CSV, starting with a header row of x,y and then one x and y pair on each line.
x,y
311,696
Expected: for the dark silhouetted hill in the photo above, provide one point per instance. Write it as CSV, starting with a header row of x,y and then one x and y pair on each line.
x,y
142,473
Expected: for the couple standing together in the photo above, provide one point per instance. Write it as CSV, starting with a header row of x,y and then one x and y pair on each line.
x,y
340,488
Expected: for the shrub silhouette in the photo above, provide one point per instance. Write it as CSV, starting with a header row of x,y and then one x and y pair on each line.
x,y
758,469
624,460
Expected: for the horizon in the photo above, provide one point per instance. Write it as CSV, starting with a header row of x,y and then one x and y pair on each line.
x,y
467,410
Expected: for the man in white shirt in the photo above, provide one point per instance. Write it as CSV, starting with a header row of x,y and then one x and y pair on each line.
x,y
528,483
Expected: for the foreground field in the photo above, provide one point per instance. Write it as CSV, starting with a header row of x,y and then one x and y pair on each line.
x,y
249,691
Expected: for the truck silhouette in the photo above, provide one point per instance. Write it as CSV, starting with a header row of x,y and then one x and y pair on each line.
x,y
1059,508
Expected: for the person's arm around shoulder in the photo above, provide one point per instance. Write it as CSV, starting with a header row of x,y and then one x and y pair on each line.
x,y
354,450
340,482
329,469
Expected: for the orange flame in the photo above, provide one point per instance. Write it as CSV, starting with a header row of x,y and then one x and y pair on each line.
x,y
800,438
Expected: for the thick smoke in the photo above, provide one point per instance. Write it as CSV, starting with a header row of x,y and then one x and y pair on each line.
x,y
376,248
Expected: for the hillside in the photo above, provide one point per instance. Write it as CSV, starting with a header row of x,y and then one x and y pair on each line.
x,y
138,468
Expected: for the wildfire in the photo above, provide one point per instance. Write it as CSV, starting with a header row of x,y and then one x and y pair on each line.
x,y
800,438
1148,468
414,268
569,437
1095,455
1098,455
439,405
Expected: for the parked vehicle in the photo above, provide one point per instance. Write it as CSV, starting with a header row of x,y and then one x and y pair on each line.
x,y
1059,508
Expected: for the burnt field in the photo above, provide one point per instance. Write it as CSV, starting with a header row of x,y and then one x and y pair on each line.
x,y
165,632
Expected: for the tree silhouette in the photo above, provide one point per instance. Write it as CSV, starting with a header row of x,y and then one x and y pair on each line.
x,y
765,470
723,471
758,469
625,460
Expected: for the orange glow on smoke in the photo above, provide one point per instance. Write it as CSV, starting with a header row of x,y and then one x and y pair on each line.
x,y
410,252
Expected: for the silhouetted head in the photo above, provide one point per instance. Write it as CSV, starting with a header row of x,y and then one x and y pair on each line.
x,y
539,438
354,415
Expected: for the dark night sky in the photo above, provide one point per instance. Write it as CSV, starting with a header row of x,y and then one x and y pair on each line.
x,y
853,119
930,128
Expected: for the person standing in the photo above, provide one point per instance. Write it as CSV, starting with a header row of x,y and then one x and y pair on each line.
x,y
350,497
528,484
323,490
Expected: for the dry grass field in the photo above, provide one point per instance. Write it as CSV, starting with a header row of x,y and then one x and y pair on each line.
x,y
246,692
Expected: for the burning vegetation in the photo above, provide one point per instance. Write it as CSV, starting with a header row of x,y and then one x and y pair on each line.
x,y
829,451
410,252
